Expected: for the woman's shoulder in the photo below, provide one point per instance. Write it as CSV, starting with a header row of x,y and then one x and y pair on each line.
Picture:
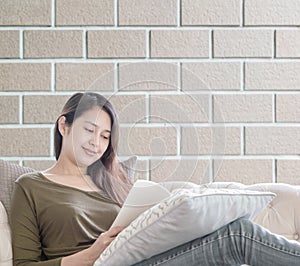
x,y
28,178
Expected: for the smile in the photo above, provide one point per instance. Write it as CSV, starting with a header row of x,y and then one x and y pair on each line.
x,y
89,152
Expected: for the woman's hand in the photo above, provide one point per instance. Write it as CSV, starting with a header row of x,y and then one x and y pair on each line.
x,y
106,238
88,256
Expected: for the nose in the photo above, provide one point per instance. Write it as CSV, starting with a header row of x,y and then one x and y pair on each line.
x,y
95,141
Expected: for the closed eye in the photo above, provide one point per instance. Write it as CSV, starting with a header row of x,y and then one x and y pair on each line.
x,y
89,130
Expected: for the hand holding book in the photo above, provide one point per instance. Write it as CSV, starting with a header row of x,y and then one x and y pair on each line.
x,y
143,195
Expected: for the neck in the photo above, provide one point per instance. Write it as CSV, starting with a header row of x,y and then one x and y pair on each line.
x,y
67,167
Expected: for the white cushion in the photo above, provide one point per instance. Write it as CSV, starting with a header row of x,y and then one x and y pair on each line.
x,y
5,239
187,214
276,217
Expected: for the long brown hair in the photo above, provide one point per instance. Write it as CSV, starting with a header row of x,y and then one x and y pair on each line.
x,y
108,175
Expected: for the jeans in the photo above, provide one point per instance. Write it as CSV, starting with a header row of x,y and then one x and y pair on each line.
x,y
240,242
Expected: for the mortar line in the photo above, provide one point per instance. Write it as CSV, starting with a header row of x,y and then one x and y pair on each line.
x,y
179,78
21,107
53,15
116,77
116,13
53,77
21,43
242,13
179,14
274,99
148,45
274,45
274,177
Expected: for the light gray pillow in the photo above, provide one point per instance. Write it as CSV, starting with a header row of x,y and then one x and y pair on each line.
x,y
9,172
185,215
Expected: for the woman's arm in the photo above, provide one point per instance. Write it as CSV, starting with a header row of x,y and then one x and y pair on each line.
x,y
88,256
27,246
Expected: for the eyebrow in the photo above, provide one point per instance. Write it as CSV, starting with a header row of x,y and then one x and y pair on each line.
x,y
95,125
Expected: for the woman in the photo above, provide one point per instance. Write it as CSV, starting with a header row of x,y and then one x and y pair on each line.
x,y
62,216
64,209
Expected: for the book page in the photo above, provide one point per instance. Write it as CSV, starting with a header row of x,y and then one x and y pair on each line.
x,y
142,196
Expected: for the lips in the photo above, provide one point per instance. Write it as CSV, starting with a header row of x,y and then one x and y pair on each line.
x,y
89,152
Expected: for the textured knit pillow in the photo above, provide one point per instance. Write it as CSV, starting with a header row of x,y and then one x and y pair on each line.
x,y
5,239
129,166
9,172
187,214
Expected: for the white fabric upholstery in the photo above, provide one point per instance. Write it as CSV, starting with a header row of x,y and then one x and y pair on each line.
x,y
282,216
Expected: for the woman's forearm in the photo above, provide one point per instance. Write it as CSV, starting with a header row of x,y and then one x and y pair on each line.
x,y
88,256
85,257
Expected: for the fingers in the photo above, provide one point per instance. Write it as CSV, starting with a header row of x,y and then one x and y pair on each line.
x,y
107,241
107,237
114,231
111,234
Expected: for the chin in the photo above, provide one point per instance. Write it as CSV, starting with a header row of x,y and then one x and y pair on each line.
x,y
84,161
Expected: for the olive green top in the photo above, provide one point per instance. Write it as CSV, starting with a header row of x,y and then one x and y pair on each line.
x,y
51,220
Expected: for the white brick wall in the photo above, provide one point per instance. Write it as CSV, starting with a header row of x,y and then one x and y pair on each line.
x,y
205,89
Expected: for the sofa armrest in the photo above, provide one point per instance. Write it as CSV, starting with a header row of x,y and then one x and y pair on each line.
x,y
282,215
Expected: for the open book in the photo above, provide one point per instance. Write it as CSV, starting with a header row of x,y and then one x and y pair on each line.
x,y
142,196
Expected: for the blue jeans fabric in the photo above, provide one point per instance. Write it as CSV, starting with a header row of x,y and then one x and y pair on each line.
x,y
240,242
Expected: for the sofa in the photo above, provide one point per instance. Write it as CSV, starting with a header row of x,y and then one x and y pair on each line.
x,y
281,216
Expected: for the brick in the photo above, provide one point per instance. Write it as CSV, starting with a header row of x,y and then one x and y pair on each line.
x,y
129,108
288,171
288,43
43,109
270,12
211,76
288,108
89,12
148,141
243,108
246,171
9,109
272,76
25,142
53,44
148,76
179,44
22,13
243,43
146,13
210,12
210,140
117,44
39,165
9,44
179,108
185,170
272,140
25,77
84,77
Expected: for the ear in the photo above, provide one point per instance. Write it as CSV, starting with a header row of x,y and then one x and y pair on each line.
x,y
62,126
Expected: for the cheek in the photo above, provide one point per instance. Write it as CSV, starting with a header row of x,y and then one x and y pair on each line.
x,y
105,145
80,136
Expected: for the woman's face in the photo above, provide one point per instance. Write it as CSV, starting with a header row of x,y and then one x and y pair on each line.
x,y
89,136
